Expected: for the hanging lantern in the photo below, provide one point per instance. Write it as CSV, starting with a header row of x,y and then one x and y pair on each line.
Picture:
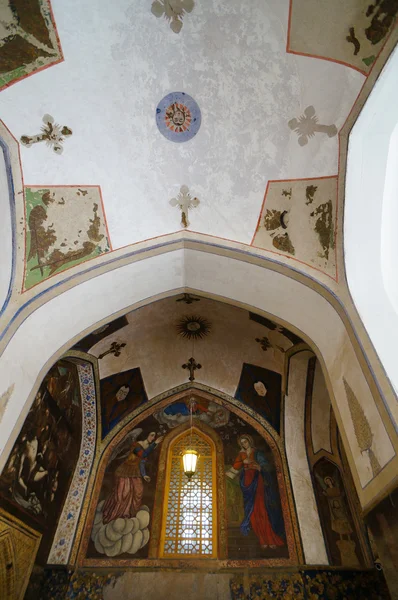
x,y
190,456
189,459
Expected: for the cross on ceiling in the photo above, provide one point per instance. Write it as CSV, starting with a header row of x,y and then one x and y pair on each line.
x,y
185,202
192,365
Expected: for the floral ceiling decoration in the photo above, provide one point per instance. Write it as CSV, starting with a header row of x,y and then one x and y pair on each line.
x,y
173,11
53,134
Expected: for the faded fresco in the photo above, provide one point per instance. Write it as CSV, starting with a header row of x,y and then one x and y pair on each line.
x,y
120,395
337,523
28,39
122,520
37,475
261,389
65,227
346,31
298,219
51,133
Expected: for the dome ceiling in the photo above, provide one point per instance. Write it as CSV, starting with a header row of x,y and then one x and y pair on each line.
x,y
266,114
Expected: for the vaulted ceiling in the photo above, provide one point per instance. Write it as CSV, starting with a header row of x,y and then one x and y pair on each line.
x,y
254,76
118,117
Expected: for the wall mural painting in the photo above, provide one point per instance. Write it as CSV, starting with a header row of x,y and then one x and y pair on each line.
x,y
293,206
28,39
120,395
122,520
355,30
337,522
261,389
65,227
37,475
254,514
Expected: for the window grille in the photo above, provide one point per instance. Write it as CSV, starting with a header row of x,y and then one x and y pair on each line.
x,y
189,514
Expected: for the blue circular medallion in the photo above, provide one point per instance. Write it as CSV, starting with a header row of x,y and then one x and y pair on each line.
x,y
178,117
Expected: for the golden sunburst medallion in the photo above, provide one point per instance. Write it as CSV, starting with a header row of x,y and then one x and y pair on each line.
x,y
193,328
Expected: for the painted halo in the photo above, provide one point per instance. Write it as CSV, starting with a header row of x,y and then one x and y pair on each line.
x,y
178,117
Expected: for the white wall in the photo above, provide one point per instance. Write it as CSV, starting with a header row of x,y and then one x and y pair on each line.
x,y
296,452
370,218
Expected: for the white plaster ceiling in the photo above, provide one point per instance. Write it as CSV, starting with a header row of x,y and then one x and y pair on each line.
x,y
230,56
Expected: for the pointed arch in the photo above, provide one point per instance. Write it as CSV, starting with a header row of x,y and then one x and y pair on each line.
x,y
210,437
270,436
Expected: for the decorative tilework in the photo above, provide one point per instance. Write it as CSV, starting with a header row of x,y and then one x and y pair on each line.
x,y
313,584
64,536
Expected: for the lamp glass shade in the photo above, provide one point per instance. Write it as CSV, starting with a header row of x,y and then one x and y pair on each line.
x,y
189,459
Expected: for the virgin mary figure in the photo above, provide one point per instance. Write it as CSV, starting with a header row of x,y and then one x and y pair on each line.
x,y
262,511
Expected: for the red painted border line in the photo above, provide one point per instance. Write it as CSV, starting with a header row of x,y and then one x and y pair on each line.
x,y
291,257
335,60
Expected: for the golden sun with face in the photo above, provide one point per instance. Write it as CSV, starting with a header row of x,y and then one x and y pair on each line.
x,y
178,117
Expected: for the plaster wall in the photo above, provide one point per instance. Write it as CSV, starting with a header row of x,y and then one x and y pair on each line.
x,y
369,217
320,413
174,586
296,452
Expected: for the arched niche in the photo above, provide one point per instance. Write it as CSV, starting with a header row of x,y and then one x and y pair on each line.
x,y
89,512
293,301
338,524
209,435
45,477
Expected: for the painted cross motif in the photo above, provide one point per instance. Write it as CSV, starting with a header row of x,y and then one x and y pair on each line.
x,y
173,11
306,126
188,299
184,201
192,365
52,133
114,349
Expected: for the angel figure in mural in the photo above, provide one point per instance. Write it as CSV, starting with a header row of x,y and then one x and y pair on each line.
x,y
262,511
121,520
126,496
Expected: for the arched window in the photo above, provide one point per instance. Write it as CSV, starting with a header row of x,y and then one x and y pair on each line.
x,y
189,524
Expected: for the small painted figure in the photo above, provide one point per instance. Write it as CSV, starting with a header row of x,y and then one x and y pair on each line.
x,y
126,496
260,496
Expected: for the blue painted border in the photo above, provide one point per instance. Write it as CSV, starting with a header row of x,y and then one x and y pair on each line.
x,y
11,198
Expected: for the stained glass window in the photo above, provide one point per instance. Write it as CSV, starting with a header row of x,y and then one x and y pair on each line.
x,y
189,521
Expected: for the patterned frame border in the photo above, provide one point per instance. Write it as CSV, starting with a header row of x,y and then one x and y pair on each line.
x,y
250,416
67,524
